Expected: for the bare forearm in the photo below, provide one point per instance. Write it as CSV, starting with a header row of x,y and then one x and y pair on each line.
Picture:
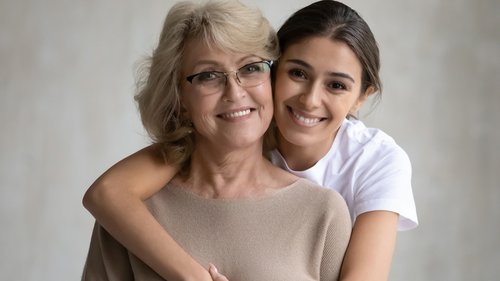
x,y
370,250
147,239
115,200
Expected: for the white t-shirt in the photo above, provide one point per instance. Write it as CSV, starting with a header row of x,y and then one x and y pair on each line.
x,y
368,168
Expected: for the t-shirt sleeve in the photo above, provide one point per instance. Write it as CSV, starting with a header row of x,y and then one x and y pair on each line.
x,y
385,184
107,259
336,240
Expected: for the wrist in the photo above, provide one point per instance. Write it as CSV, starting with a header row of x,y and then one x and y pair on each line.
x,y
198,275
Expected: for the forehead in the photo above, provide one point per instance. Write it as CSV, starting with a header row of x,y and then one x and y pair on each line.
x,y
323,53
196,49
198,52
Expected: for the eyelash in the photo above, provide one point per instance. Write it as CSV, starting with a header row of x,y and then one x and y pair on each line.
x,y
337,86
297,73
300,74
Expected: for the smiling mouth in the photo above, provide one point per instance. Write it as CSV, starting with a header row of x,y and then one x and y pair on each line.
x,y
308,121
236,114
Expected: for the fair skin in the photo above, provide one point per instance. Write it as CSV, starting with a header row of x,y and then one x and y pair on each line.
x,y
228,156
229,126
318,83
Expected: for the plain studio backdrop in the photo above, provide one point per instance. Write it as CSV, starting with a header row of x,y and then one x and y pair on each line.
x,y
67,114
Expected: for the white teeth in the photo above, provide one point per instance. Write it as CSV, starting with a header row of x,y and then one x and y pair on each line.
x,y
305,120
236,114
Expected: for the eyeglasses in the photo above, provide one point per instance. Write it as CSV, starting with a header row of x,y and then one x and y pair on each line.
x,y
250,75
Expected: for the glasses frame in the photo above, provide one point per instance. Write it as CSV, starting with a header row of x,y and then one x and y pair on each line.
x,y
226,74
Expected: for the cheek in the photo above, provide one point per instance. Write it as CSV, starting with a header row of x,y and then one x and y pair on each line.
x,y
262,94
283,88
268,104
340,106
198,108
204,122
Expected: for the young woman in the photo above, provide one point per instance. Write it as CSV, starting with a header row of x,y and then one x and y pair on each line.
x,y
329,65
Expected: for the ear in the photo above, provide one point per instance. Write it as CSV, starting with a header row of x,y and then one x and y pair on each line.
x,y
361,100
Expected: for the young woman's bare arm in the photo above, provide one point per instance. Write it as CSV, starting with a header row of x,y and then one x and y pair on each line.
x,y
369,254
115,199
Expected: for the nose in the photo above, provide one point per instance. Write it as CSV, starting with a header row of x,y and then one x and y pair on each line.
x,y
233,90
311,97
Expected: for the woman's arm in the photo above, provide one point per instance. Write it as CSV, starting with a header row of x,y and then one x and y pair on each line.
x,y
115,199
370,250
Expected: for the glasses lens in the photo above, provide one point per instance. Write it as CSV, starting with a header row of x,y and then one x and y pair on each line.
x,y
209,82
254,74
250,75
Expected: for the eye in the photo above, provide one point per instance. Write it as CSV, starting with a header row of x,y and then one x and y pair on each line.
x,y
257,67
207,76
297,73
336,86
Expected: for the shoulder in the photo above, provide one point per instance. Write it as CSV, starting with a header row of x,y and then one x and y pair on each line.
x,y
320,198
376,155
324,208
356,132
372,144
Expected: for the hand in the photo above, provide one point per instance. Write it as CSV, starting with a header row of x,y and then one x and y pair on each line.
x,y
216,276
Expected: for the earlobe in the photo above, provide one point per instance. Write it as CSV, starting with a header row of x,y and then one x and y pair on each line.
x,y
369,91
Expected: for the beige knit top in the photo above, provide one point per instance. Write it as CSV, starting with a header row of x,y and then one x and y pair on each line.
x,y
299,233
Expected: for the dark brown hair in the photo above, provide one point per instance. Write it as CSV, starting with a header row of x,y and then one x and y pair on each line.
x,y
338,22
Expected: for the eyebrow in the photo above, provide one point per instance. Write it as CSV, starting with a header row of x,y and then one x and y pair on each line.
x,y
308,66
215,63
206,63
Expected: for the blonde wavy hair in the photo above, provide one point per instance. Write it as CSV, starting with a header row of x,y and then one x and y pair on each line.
x,y
224,24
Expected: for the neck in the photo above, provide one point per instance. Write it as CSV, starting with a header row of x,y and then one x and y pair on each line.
x,y
231,174
302,157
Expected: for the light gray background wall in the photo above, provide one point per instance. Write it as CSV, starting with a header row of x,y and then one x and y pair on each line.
x,y
67,114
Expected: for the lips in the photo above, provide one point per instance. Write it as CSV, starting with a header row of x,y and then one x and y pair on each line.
x,y
236,114
304,120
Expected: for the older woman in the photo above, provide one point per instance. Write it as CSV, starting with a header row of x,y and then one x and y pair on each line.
x,y
206,100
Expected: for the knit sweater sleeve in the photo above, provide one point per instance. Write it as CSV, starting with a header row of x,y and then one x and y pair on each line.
x,y
337,238
107,259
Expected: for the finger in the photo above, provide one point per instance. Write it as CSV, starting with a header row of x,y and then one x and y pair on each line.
x,y
216,276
